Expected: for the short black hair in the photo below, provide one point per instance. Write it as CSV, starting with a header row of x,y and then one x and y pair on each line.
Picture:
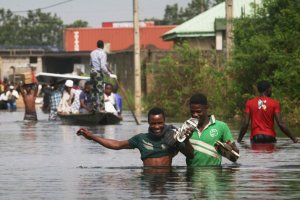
x,y
198,98
115,88
156,111
100,44
88,83
263,86
107,84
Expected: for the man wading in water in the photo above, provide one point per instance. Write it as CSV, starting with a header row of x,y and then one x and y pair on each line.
x,y
152,145
29,95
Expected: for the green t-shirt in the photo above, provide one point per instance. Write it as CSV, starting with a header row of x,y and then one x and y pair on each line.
x,y
205,153
151,146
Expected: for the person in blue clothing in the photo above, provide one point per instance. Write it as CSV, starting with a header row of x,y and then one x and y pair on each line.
x,y
118,99
85,98
152,145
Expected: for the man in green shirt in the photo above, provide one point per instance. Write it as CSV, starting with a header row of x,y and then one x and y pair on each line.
x,y
152,145
204,137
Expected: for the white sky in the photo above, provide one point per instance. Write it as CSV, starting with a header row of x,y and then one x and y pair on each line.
x,y
93,11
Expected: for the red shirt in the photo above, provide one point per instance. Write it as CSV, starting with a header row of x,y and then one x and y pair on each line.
x,y
262,110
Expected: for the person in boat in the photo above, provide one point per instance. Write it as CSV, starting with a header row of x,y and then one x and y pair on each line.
x,y
55,98
262,111
67,98
110,100
76,103
85,99
119,100
3,100
153,149
12,95
207,133
98,69
29,94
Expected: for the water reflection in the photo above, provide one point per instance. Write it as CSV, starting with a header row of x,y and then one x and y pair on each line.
x,y
47,160
212,183
263,148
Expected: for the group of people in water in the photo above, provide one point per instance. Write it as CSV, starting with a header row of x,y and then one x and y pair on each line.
x,y
160,143
199,145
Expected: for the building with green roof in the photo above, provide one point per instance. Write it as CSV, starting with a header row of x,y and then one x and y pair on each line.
x,y
207,30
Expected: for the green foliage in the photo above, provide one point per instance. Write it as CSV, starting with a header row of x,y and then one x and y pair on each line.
x,y
177,15
78,24
36,29
267,46
181,74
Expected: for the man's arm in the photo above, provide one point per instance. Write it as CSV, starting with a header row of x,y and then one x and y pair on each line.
x,y
244,127
108,143
21,86
83,105
36,89
187,149
284,128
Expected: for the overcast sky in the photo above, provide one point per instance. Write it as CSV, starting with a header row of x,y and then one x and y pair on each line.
x,y
93,11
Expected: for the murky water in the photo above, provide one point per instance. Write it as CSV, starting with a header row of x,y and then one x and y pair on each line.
x,y
46,160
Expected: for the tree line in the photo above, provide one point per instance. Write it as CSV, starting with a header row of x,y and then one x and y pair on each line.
x,y
266,46
36,29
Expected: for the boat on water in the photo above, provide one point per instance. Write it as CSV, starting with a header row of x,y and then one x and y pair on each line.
x,y
44,77
104,118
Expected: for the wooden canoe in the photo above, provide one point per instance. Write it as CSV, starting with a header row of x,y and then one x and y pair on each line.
x,y
90,118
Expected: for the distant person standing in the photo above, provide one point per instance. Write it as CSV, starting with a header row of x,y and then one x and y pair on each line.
x,y
12,95
29,94
262,111
55,98
98,69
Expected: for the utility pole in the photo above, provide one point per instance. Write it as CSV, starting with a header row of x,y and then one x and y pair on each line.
x,y
229,27
137,60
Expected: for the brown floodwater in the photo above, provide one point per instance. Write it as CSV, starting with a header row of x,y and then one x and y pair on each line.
x,y
46,160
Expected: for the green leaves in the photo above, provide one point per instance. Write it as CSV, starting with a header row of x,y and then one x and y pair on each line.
x,y
36,29
267,46
181,74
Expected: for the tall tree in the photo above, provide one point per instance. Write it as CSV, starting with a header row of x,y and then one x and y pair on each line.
x,y
41,29
78,24
9,27
35,29
267,46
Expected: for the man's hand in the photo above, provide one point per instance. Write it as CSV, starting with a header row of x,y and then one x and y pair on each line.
x,y
113,76
189,132
84,132
296,140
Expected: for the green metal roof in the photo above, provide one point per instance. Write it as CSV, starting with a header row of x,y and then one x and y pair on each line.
x,y
203,25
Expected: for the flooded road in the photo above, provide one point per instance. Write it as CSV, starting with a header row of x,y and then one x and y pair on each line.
x,y
46,160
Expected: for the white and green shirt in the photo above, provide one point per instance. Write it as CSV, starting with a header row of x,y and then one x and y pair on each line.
x,y
205,153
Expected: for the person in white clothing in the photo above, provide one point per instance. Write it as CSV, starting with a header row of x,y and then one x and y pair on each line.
x,y
76,103
67,99
12,95
110,101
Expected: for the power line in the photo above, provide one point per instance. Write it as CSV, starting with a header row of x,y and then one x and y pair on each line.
x,y
46,7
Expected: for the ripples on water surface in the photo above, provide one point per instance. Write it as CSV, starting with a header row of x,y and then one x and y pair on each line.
x,y
46,160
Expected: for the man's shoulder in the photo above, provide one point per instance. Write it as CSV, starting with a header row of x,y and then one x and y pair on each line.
x,y
220,123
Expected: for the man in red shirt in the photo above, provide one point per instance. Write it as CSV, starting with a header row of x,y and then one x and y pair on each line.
x,y
262,110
